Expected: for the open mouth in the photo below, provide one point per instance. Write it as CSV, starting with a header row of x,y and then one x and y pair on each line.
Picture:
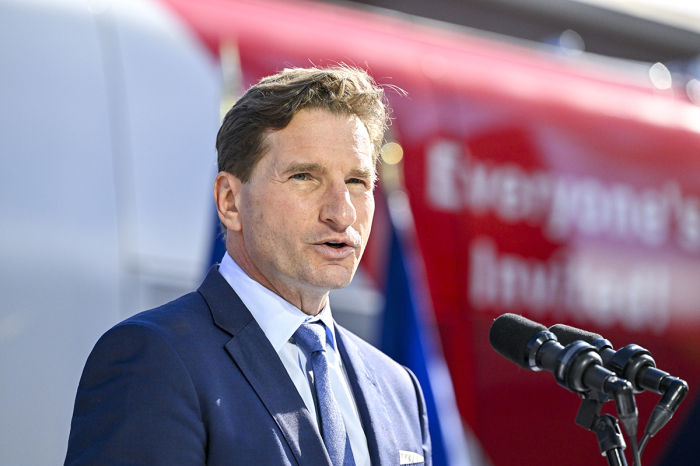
x,y
334,245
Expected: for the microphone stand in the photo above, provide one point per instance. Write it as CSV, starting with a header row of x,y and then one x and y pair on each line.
x,y
610,439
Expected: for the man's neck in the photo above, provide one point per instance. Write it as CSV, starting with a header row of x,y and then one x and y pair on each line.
x,y
310,302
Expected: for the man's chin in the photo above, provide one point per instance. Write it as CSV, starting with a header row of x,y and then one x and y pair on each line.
x,y
334,280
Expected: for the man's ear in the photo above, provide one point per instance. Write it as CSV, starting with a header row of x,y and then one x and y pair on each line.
x,y
227,190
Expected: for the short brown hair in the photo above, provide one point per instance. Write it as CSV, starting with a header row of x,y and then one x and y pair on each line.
x,y
272,103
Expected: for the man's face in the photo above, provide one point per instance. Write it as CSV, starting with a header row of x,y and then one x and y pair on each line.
x,y
307,210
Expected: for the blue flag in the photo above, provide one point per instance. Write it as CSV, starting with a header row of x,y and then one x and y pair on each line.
x,y
408,338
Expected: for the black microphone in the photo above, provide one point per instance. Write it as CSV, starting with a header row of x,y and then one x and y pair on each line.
x,y
635,364
577,367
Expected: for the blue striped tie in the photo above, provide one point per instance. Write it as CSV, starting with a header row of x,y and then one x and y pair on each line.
x,y
310,338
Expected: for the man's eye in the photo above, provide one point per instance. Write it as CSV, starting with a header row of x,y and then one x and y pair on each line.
x,y
300,176
364,183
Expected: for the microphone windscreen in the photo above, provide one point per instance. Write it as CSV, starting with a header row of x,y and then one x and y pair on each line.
x,y
510,334
567,335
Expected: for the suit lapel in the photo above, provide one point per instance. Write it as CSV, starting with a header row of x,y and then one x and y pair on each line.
x,y
278,393
381,442
256,358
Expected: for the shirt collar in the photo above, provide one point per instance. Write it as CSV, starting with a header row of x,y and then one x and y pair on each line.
x,y
278,318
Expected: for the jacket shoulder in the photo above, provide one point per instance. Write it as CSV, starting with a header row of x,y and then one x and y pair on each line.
x,y
186,307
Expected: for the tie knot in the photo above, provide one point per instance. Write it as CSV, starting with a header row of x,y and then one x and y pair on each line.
x,y
310,337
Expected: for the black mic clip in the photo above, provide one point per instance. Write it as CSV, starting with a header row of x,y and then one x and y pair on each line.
x,y
589,417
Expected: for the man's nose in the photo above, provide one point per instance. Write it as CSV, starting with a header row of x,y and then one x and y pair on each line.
x,y
337,208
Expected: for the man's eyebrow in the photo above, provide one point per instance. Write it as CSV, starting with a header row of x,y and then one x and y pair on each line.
x,y
363,172
360,172
305,167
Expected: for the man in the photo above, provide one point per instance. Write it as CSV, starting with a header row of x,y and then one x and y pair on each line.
x,y
251,369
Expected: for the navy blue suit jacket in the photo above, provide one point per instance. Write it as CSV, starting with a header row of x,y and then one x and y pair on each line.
x,y
196,382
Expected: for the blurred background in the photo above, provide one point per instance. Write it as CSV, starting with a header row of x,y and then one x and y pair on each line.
x,y
545,161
